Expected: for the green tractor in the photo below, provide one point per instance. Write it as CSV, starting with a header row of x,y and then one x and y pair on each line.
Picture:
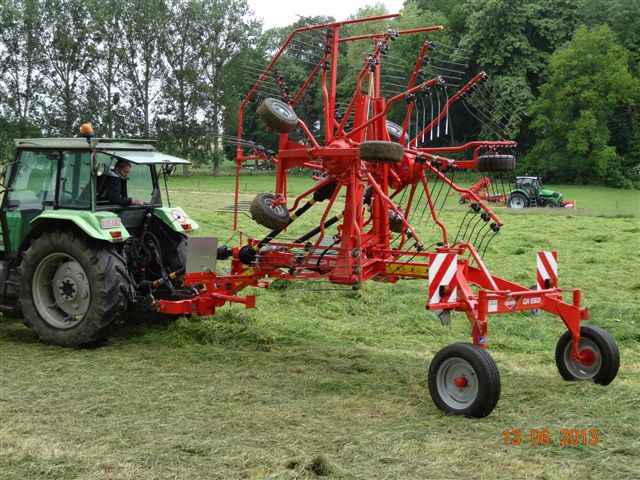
x,y
530,192
74,265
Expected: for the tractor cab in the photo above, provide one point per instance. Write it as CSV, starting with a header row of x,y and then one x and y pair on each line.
x,y
57,178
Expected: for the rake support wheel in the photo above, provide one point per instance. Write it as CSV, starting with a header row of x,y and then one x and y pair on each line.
x,y
263,212
496,163
464,379
395,132
379,151
601,358
277,115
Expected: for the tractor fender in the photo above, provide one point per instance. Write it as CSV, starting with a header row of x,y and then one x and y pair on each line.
x,y
520,190
98,225
177,219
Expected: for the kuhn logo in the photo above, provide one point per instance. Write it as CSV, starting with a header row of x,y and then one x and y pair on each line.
x,y
532,301
509,303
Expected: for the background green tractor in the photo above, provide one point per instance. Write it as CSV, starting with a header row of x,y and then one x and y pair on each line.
x,y
530,192
73,266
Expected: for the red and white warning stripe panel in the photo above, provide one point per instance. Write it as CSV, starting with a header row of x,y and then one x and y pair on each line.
x,y
547,263
443,287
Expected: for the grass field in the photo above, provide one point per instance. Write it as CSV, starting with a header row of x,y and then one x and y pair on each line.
x,y
320,381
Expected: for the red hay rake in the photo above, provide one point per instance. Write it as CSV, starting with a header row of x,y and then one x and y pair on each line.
x,y
383,172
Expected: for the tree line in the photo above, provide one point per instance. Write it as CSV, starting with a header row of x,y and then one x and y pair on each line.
x,y
175,71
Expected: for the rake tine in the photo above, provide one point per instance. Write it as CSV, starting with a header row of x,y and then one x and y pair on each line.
x,y
438,125
424,118
431,130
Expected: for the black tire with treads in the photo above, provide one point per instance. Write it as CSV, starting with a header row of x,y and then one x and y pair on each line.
x,y
106,275
496,163
277,115
378,151
605,352
263,212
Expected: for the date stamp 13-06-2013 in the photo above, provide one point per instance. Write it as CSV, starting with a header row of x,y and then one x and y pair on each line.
x,y
546,436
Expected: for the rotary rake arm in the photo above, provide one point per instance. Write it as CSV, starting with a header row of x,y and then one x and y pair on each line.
x,y
382,184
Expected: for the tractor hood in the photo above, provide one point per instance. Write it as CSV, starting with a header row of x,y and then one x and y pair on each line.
x,y
551,194
141,157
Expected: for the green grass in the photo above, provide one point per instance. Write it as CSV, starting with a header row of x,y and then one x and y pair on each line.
x,y
326,382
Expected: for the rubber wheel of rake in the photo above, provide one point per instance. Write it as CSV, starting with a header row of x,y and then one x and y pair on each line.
x,y
73,290
378,151
395,222
395,132
495,163
464,380
602,356
264,213
277,115
517,200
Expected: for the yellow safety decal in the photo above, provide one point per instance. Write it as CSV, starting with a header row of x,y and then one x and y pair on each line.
x,y
404,269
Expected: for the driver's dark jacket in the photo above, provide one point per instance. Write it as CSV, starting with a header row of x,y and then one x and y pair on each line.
x,y
114,189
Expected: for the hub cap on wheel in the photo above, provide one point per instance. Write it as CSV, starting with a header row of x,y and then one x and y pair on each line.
x,y
283,109
517,202
278,209
61,290
457,383
589,362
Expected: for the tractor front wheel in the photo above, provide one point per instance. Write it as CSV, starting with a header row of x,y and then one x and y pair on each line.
x,y
517,200
73,291
599,356
464,379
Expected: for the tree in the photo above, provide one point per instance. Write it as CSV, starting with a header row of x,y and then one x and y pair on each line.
x,y
623,16
183,85
230,31
21,83
144,24
66,51
105,69
589,81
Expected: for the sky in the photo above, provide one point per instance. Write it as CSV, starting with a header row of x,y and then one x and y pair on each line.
x,y
277,13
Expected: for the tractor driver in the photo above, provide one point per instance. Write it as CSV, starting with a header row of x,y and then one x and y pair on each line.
x,y
114,188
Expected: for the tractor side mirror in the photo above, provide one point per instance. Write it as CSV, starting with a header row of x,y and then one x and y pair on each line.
x,y
169,170
99,169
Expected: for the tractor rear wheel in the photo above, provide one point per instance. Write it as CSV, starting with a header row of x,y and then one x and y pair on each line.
x,y
378,151
496,163
464,379
73,291
517,200
263,212
277,115
600,358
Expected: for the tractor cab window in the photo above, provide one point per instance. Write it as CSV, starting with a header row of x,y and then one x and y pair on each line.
x,y
34,182
75,179
140,183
